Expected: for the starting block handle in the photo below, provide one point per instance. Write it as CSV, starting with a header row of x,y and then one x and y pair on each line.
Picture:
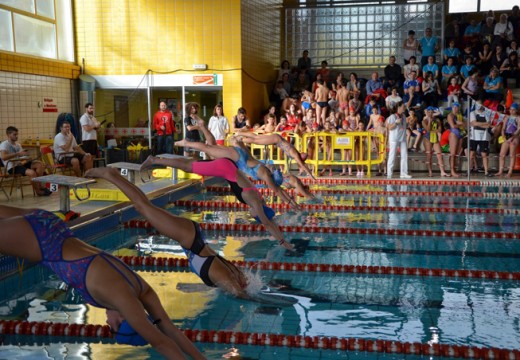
x,y
80,198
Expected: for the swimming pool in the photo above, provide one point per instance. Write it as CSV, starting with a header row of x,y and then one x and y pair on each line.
x,y
358,273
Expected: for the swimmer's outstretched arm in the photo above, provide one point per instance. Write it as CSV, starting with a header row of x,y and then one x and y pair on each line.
x,y
185,164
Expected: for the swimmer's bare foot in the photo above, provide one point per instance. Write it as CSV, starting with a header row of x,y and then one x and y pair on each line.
x,y
148,163
180,143
454,174
508,175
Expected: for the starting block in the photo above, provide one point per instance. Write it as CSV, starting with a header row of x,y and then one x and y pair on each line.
x,y
128,170
63,184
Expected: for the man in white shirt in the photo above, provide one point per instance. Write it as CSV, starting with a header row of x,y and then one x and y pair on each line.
x,y
480,121
67,151
89,126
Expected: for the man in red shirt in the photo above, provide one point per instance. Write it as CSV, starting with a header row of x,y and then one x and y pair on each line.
x,y
165,128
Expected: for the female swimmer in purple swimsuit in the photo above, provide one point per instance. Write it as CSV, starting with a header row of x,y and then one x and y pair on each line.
x,y
102,280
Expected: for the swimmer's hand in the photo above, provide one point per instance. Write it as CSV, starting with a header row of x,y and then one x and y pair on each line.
x,y
286,245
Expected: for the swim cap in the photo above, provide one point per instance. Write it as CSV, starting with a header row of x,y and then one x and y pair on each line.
x,y
514,106
128,336
431,108
277,177
455,104
269,212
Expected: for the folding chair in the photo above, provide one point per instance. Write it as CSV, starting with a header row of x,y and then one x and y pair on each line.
x,y
16,180
50,162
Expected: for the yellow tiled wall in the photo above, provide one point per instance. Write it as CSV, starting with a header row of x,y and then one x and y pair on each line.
x,y
124,37
37,66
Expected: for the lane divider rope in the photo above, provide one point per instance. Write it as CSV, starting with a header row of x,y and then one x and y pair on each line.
x,y
418,194
38,328
449,182
344,230
329,207
175,262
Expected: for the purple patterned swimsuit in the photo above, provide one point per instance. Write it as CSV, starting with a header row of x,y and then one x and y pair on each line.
x,y
51,232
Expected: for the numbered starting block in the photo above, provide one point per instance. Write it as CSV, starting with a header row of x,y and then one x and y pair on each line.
x,y
128,170
63,184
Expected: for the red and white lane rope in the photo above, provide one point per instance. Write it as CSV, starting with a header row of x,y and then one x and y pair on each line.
x,y
328,207
415,182
38,328
344,230
173,262
416,194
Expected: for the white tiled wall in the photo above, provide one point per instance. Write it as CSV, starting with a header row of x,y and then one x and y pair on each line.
x,y
20,98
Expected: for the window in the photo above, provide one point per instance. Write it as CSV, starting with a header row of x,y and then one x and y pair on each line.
x,y
37,27
464,6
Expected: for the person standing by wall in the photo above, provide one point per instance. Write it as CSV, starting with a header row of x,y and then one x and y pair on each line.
x,y
192,128
396,124
218,125
89,126
165,128
428,45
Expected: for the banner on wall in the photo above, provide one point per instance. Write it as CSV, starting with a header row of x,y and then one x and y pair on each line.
x,y
204,80
49,105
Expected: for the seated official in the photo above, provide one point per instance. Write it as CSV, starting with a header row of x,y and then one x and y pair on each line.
x,y
67,151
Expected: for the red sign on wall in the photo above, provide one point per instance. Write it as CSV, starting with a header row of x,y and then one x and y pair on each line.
x,y
49,105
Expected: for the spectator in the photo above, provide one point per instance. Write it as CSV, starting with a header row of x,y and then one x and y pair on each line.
x,y
498,57
487,31
493,86
89,127
164,127
67,151
503,32
410,47
510,69
480,123
285,68
510,135
453,91
448,71
392,74
471,86
412,81
324,71
11,149
431,66
428,45
513,46
431,90
457,133
191,124
305,64
453,52
484,58
240,121
393,98
411,66
466,68
218,125
472,32
396,124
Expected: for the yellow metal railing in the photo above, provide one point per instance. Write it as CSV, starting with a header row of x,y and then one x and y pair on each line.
x,y
331,149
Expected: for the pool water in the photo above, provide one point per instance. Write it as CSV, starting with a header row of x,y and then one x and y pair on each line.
x,y
403,308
